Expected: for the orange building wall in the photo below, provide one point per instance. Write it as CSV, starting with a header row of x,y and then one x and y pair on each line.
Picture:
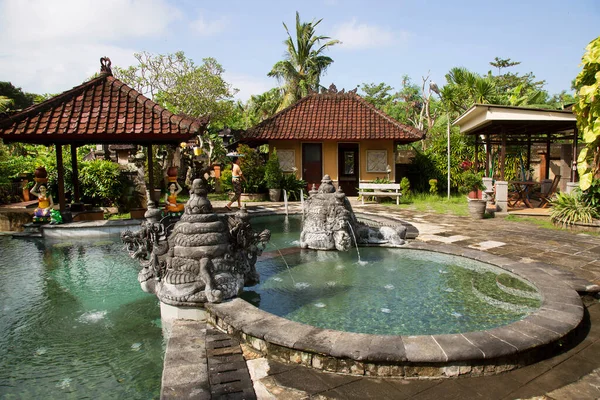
x,y
330,156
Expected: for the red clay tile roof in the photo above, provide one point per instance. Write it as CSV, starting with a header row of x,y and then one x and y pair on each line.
x,y
102,110
332,116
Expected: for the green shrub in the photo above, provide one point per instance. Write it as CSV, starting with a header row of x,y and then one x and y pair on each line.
x,y
591,196
226,184
253,169
273,173
292,186
470,181
570,208
101,182
433,186
405,186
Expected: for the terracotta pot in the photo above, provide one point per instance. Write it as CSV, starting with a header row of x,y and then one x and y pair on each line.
x,y
475,194
41,175
172,174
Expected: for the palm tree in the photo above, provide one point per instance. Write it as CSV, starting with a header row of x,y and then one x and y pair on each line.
x,y
304,61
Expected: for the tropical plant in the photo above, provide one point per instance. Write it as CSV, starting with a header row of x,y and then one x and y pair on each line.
x,y
101,182
433,186
570,208
405,186
253,168
470,181
273,173
587,109
292,186
304,61
226,184
591,196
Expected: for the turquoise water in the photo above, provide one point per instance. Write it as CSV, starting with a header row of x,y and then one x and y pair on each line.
x,y
392,291
75,323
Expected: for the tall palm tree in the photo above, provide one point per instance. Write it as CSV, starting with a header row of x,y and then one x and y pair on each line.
x,y
304,61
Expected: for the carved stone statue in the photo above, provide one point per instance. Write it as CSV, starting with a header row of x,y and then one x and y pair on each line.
x,y
330,223
205,257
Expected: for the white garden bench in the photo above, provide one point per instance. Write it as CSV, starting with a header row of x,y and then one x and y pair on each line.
x,y
380,190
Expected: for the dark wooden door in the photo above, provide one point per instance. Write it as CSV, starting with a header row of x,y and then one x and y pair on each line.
x,y
348,168
312,164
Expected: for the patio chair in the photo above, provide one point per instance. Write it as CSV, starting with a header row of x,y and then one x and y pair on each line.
x,y
546,197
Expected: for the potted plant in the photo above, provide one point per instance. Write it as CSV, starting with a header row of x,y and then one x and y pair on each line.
x,y
472,185
273,176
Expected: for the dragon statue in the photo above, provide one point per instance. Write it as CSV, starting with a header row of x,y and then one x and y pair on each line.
x,y
204,257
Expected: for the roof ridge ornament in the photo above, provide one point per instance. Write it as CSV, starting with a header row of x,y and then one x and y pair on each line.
x,y
105,65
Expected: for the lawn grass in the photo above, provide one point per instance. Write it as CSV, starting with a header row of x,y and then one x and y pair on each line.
x,y
424,202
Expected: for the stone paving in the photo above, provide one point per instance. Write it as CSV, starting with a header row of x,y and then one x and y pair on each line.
x,y
574,373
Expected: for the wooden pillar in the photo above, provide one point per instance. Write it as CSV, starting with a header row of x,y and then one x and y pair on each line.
x,y
488,150
574,162
547,175
75,178
61,178
477,154
528,152
150,172
502,155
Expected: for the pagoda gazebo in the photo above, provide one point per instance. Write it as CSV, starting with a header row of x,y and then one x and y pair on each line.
x,y
102,110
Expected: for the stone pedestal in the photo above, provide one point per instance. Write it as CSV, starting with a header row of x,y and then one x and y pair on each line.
x,y
169,314
489,187
501,197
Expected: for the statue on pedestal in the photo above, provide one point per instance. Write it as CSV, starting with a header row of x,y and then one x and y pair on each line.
x,y
40,190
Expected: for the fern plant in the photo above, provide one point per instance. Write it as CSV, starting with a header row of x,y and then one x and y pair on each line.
x,y
570,208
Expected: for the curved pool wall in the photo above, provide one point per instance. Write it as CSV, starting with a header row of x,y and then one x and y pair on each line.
x,y
446,355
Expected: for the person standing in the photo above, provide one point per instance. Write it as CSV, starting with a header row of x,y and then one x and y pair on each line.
x,y
236,181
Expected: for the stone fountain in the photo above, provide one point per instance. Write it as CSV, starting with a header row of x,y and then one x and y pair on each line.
x,y
205,257
330,223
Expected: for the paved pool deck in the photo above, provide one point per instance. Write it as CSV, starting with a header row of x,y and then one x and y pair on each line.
x,y
573,373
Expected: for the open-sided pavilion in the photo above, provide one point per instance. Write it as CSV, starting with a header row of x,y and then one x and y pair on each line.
x,y
102,110
519,126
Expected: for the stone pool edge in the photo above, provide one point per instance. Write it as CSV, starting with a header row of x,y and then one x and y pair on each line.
x,y
449,355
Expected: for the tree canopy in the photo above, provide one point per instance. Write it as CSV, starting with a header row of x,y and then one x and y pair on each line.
x,y
587,109
304,61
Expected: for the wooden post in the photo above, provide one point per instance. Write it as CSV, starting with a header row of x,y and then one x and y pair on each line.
x,y
528,152
150,172
75,178
547,175
477,153
61,178
488,168
502,155
574,162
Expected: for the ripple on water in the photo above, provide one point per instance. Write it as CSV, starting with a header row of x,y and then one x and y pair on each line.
x,y
320,305
92,317
302,285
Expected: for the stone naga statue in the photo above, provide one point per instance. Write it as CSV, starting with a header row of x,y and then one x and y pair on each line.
x,y
330,223
204,257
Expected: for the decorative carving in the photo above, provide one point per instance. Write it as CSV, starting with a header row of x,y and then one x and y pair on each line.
x,y
105,65
329,222
205,257
287,159
332,89
377,161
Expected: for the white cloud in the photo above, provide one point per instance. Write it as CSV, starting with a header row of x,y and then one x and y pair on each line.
x,y
51,46
358,36
248,85
204,28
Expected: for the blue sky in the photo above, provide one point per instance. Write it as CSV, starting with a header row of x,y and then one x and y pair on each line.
x,y
51,46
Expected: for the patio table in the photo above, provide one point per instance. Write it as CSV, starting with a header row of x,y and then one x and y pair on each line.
x,y
522,189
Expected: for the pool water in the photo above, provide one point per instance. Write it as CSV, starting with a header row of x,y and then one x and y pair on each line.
x,y
390,292
75,323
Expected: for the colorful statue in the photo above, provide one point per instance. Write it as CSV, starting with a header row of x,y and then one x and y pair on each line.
x,y
171,205
45,202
